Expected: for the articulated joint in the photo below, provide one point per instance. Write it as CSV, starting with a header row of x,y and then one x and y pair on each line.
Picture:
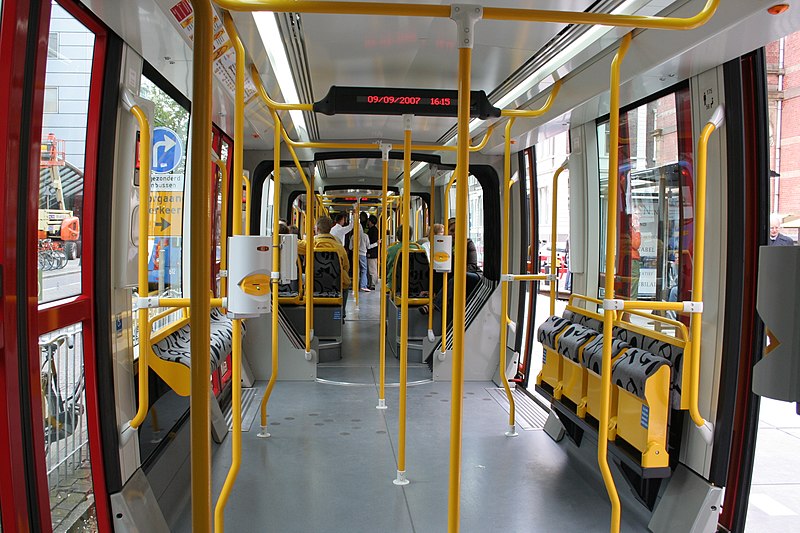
x,y
147,302
692,307
465,17
613,305
385,149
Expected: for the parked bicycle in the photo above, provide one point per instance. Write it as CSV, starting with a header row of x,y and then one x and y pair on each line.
x,y
51,255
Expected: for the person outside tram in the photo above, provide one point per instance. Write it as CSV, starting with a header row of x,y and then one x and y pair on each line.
x,y
636,258
776,238
323,234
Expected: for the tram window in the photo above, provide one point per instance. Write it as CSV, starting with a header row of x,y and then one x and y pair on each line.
x,y
266,207
655,202
475,217
63,153
170,136
66,434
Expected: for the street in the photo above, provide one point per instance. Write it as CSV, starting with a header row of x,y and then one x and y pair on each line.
x,y
63,283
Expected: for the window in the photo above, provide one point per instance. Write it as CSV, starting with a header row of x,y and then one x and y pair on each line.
x,y
655,200
475,230
53,45
51,99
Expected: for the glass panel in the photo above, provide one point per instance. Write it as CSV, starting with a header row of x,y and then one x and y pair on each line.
x,y
170,136
69,468
63,149
550,154
654,213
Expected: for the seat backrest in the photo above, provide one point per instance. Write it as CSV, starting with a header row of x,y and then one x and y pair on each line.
x,y
327,273
418,274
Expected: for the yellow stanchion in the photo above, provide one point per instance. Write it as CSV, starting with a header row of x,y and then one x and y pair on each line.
x,y
401,439
507,184
200,267
495,13
144,201
276,267
553,237
608,315
446,275
356,266
432,202
383,292
236,355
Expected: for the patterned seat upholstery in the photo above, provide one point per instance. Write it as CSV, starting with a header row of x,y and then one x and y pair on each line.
x,y
573,338
327,274
418,274
583,320
593,353
550,329
672,353
176,347
631,371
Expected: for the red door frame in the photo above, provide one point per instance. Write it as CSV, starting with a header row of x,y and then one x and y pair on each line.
x,y
77,309
14,29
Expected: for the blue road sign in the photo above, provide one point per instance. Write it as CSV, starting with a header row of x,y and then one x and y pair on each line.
x,y
167,150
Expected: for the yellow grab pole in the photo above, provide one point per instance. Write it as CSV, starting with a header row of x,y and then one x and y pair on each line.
x,y
431,336
608,314
276,266
272,104
309,252
494,13
356,267
512,425
532,113
200,268
401,439
706,428
445,275
236,355
144,324
465,22
385,148
553,237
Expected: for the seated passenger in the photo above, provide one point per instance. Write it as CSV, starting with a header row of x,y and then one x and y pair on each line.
x,y
472,250
391,254
438,229
323,234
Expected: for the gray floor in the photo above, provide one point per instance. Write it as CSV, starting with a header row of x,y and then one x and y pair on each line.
x,y
332,457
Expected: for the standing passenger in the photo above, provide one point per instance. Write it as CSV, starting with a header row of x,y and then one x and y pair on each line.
x,y
340,230
372,250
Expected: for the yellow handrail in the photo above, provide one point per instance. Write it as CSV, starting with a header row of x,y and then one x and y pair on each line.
x,y
489,13
608,316
404,326
382,249
459,290
430,254
276,266
144,201
236,324
507,184
532,113
272,104
553,237
200,268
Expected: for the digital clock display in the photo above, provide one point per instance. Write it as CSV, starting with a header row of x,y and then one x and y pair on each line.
x,y
402,101
407,100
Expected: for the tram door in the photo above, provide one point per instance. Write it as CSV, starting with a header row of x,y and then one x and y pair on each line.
x,y
64,413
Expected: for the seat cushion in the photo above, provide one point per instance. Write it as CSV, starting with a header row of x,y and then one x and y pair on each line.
x,y
631,371
583,320
673,354
573,338
593,353
176,347
550,329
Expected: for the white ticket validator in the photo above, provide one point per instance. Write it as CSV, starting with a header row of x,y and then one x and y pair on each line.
x,y
249,268
442,252
288,258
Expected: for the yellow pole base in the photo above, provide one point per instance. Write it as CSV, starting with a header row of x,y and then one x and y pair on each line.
x,y
401,479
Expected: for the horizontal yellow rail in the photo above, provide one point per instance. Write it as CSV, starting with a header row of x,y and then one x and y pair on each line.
x,y
489,13
185,302
270,102
532,113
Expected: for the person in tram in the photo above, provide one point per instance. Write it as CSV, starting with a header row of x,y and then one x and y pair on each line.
x,y
472,250
438,229
391,255
340,229
372,250
776,238
363,245
323,229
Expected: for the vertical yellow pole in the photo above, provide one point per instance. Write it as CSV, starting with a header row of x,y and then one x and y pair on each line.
x,y
430,255
276,266
401,439
512,426
236,356
309,285
608,315
356,266
465,36
382,250
200,268
144,320
553,237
